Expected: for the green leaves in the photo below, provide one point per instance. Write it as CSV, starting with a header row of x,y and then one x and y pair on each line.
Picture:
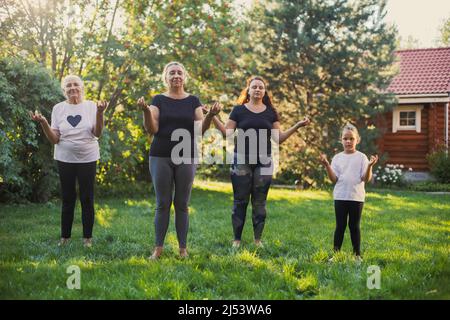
x,y
339,50
26,165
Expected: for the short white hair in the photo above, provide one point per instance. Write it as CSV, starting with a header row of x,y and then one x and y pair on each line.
x,y
71,77
166,67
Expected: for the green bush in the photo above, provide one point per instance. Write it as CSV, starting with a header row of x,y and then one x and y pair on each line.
x,y
428,186
439,162
27,171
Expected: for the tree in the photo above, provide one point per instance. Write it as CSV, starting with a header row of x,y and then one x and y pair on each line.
x,y
409,43
119,48
27,171
445,33
329,60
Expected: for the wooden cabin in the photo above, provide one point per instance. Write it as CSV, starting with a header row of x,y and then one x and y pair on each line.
x,y
419,123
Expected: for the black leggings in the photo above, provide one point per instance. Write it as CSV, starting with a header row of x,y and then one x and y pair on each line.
x,y
249,182
352,210
69,173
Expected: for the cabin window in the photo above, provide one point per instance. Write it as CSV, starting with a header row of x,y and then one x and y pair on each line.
x,y
406,118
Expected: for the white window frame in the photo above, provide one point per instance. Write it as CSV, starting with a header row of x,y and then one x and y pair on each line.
x,y
396,118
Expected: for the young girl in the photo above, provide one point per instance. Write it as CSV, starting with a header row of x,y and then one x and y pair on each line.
x,y
349,169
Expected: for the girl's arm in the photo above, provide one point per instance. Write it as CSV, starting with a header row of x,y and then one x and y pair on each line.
x,y
51,134
330,172
368,175
283,136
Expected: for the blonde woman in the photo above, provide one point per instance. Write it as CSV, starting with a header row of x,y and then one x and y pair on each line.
x,y
173,110
76,125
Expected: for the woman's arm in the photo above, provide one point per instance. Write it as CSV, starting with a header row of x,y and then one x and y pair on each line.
x,y
330,172
51,134
151,116
99,123
283,136
227,129
211,114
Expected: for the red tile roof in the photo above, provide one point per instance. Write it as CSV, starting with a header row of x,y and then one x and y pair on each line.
x,y
422,71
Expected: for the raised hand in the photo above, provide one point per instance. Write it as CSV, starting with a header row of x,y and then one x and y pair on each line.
x,y
304,122
102,106
205,109
373,160
216,108
37,116
323,159
141,103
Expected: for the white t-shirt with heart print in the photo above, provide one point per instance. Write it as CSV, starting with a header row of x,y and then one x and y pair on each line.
x,y
75,123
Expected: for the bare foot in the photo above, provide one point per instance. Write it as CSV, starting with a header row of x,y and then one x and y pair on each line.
x,y
236,244
156,253
87,242
258,243
183,253
63,242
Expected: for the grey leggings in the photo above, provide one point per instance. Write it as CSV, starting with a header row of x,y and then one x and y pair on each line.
x,y
165,175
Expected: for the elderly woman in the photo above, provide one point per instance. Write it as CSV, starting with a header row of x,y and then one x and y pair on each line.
x,y
76,125
172,110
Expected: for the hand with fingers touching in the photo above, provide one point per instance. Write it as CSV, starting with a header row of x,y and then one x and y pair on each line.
x,y
141,103
216,108
37,116
303,123
373,160
323,159
102,106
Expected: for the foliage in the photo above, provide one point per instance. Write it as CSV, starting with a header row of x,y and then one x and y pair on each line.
x,y
27,171
328,60
428,186
439,162
119,50
445,33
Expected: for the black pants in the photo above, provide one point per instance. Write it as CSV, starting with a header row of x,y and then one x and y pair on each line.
x,y
69,173
249,181
350,210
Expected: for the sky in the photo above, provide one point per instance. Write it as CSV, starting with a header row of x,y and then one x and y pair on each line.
x,y
420,19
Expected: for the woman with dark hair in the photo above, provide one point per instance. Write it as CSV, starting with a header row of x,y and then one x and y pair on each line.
x,y
257,122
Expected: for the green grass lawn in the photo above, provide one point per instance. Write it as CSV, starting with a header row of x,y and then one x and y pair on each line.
x,y
406,234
